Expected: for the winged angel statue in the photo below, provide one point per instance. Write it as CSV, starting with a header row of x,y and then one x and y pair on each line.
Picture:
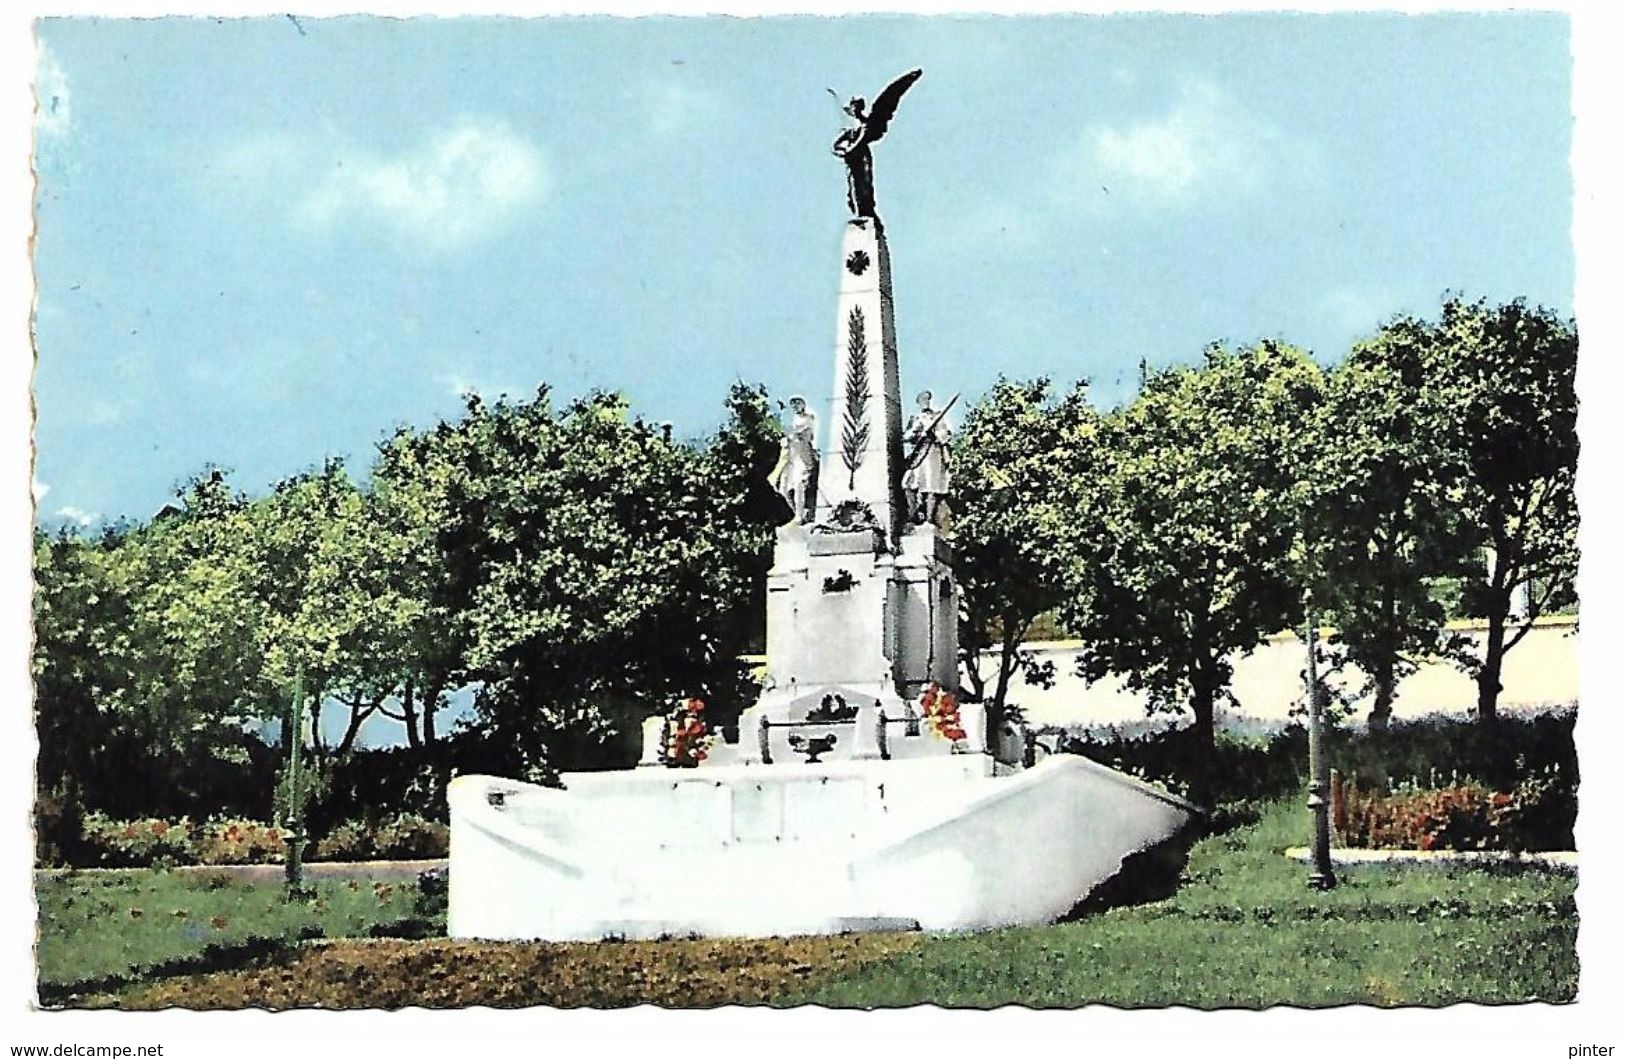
x,y
852,145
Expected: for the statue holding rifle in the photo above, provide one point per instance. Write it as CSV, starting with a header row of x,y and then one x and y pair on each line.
x,y
925,474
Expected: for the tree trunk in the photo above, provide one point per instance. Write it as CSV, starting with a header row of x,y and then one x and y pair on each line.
x,y
1202,700
1489,677
318,744
1204,694
409,716
970,650
1383,675
1382,710
995,710
973,673
358,714
431,703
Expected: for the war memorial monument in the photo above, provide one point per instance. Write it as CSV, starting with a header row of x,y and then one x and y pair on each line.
x,y
860,793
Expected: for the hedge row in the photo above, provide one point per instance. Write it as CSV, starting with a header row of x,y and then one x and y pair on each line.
x,y
1421,754
107,843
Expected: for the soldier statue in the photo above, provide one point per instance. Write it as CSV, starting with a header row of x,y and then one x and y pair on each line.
x,y
797,475
926,477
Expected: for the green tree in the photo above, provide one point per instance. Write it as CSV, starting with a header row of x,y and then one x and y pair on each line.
x,y
420,491
197,624
1506,376
742,511
583,566
174,627
327,574
77,660
1383,518
1193,558
1025,463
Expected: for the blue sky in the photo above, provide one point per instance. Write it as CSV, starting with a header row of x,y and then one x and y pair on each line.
x,y
264,242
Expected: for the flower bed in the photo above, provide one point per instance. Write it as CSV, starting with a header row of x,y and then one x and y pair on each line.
x,y
1538,814
109,843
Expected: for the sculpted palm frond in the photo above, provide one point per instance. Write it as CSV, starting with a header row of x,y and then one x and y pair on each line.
x,y
855,423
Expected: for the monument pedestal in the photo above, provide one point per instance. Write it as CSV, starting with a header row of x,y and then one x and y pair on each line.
x,y
854,623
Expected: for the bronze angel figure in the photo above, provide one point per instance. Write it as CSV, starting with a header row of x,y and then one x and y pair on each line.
x,y
852,145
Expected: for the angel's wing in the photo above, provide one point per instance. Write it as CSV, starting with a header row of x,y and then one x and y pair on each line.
x,y
885,105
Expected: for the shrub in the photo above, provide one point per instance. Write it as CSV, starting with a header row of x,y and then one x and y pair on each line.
x,y
1421,753
59,827
1427,751
409,837
349,841
1233,769
1541,811
135,843
108,843
239,842
434,887
406,779
404,837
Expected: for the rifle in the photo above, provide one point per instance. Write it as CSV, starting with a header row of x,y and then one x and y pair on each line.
x,y
923,445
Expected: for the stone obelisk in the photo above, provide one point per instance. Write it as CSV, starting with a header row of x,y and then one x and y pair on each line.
x,y
862,608
862,460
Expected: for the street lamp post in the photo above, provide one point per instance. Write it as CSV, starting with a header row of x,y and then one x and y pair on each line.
x,y
294,820
1320,866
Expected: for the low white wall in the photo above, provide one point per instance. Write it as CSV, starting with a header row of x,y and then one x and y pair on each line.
x,y
1542,670
787,849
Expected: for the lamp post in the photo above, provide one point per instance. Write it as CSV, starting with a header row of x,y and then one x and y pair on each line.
x,y
1320,860
294,820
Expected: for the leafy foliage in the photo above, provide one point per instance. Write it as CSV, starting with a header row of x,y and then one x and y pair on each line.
x,y
1431,752
109,843
1383,521
573,566
590,566
143,664
1024,471
1507,381
576,565
1192,558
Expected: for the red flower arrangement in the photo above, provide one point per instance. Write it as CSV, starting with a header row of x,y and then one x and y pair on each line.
x,y
941,711
686,737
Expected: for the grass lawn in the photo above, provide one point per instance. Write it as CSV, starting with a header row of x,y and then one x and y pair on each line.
x,y
1242,930
99,930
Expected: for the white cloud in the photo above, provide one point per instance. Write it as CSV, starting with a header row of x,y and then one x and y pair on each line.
x,y
453,188
75,514
1202,145
1200,151
671,106
53,116
40,490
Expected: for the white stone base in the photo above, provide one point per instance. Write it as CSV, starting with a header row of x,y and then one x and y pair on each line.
x,y
941,843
